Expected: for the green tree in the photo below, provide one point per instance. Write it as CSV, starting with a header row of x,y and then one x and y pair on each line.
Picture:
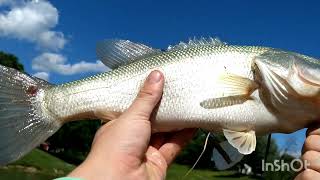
x,y
73,141
256,158
191,152
10,60
286,172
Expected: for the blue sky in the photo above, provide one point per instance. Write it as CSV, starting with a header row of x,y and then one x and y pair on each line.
x,y
67,31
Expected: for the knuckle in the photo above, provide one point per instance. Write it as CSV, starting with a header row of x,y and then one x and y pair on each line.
x,y
308,143
313,131
146,93
307,174
309,155
133,115
142,115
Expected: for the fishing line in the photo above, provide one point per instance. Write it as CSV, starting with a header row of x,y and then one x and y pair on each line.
x,y
204,149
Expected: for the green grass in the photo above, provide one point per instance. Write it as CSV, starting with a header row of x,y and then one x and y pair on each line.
x,y
177,171
37,165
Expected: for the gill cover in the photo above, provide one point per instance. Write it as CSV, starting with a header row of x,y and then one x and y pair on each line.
x,y
304,75
283,87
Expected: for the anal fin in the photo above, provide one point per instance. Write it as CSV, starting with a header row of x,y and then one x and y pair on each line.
x,y
245,141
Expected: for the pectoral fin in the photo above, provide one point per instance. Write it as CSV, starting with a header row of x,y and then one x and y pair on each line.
x,y
236,90
245,142
236,85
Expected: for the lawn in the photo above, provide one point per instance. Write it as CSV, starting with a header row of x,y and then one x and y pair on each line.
x,y
177,171
39,165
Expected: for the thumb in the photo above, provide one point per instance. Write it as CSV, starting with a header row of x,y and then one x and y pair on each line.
x,y
148,97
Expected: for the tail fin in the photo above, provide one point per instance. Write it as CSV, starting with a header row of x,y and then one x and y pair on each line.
x,y
23,125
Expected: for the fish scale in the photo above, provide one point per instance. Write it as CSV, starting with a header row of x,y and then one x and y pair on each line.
x,y
238,90
115,92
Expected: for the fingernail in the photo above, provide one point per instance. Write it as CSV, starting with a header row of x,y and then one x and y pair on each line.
x,y
154,77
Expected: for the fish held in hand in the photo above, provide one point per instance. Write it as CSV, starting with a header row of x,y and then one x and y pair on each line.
x,y
238,90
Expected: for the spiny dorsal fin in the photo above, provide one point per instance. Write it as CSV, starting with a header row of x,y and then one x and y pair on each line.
x,y
114,53
197,42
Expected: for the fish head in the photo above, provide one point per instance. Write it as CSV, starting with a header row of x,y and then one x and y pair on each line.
x,y
298,72
304,76
289,86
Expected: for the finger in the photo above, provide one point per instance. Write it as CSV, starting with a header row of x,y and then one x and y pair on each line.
x,y
312,143
308,174
148,97
155,158
311,160
314,130
173,147
102,130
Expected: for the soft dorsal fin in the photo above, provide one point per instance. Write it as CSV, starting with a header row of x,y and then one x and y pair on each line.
x,y
114,53
197,42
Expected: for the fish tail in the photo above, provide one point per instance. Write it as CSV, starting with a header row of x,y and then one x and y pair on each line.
x,y
23,124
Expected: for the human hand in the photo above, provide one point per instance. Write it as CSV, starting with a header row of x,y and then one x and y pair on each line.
x,y
311,155
124,147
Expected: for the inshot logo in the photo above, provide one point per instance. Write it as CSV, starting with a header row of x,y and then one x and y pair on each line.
x,y
280,165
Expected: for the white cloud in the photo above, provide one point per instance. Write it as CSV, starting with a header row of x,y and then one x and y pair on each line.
x,y
11,2
53,62
4,2
42,75
32,21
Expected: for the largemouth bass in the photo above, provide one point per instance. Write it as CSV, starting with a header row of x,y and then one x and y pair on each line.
x,y
238,90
